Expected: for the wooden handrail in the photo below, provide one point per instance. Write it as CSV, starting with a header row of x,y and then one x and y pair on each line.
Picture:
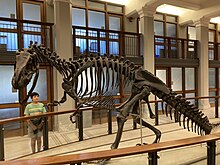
x,y
4,121
30,117
106,154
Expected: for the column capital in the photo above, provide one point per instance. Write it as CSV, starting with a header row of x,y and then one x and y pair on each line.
x,y
203,21
148,11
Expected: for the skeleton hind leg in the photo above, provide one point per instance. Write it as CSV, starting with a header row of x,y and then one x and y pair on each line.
x,y
155,130
128,108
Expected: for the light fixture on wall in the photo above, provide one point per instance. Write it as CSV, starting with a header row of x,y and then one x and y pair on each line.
x,y
130,19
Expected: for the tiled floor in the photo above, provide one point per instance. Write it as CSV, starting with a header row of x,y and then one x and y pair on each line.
x,y
67,143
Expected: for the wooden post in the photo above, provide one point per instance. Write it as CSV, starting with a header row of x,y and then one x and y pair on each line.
x,y
109,122
211,153
2,156
45,134
152,158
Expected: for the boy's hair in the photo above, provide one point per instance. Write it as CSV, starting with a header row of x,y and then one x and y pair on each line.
x,y
34,94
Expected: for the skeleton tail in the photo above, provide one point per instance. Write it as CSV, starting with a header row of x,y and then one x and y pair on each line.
x,y
192,118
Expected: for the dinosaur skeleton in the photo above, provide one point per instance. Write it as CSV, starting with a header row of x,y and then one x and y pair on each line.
x,y
109,71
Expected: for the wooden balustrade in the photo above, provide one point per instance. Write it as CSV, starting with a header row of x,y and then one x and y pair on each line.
x,y
80,127
151,149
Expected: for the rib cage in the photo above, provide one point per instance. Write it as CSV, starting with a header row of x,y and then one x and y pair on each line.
x,y
109,71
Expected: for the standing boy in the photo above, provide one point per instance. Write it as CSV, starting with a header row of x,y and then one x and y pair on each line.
x,y
35,125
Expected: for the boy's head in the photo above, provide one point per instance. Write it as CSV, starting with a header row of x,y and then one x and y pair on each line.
x,y
34,94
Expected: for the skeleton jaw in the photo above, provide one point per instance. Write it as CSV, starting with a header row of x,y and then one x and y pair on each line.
x,y
18,80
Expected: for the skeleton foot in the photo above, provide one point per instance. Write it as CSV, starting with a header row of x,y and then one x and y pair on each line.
x,y
152,116
158,136
103,162
139,144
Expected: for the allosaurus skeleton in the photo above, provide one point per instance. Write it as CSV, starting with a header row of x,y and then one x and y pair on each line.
x,y
109,71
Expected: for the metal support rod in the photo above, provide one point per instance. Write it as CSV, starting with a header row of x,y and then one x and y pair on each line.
x,y
216,107
80,125
2,155
152,158
156,114
109,122
211,153
141,131
45,134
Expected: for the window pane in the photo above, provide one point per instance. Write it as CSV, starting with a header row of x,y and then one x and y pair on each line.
x,y
31,12
7,95
10,113
93,46
10,10
176,79
79,2
81,44
192,33
29,37
115,9
211,36
158,17
96,5
96,19
41,86
158,28
212,26
212,100
102,47
159,51
114,48
190,95
211,54
31,27
171,19
113,36
92,33
8,41
78,17
114,23
162,75
171,30
190,78
212,78
173,52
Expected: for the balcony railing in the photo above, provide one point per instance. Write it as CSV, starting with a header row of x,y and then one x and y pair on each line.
x,y
92,40
167,47
16,34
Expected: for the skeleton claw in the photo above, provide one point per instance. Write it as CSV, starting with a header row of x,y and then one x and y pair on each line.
x,y
71,117
54,103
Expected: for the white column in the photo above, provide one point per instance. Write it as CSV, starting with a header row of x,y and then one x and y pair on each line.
x,y
147,31
203,81
63,47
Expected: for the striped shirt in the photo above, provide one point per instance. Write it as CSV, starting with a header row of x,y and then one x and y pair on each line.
x,y
31,109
